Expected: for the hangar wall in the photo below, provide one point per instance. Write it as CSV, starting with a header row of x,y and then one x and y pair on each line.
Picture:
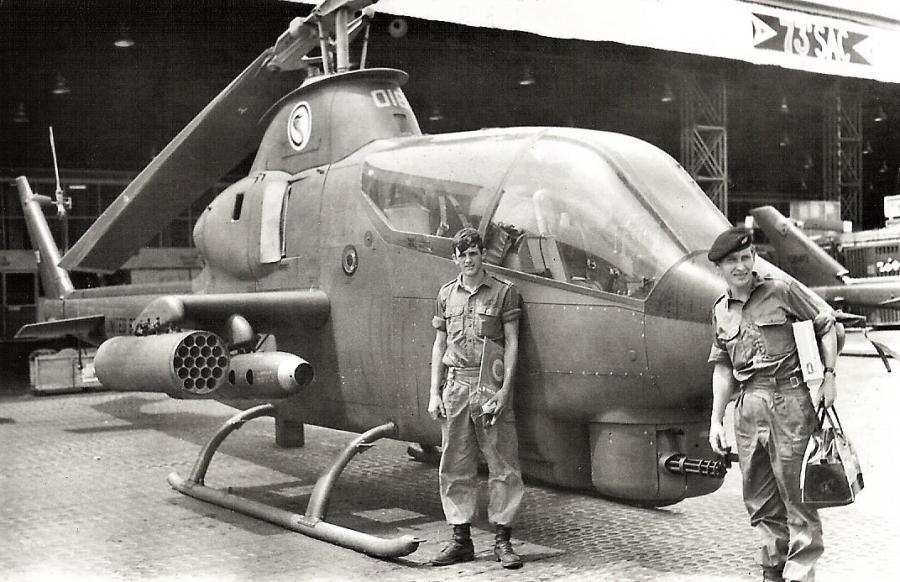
x,y
774,126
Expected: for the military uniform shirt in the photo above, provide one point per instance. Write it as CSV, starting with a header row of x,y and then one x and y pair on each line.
x,y
756,337
468,317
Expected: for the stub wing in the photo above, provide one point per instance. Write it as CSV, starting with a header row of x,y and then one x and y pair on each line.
x,y
263,309
89,329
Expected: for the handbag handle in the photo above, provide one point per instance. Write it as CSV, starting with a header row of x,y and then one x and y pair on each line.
x,y
823,412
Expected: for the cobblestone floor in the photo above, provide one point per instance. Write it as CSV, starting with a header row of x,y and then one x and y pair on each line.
x,y
84,497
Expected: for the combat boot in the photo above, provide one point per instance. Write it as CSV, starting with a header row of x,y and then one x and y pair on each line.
x,y
503,550
460,548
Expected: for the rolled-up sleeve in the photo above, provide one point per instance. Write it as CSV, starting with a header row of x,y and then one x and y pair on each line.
x,y
807,305
717,353
438,322
512,305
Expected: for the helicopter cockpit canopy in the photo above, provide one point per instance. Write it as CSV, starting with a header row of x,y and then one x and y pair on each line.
x,y
598,210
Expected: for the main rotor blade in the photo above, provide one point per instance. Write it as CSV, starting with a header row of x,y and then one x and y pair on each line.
x,y
218,138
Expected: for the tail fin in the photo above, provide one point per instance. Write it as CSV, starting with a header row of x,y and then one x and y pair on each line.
x,y
55,279
798,255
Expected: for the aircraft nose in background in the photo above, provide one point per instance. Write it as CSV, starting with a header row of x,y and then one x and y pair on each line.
x,y
678,331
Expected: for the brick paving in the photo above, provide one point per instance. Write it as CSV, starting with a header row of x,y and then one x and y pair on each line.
x,y
84,497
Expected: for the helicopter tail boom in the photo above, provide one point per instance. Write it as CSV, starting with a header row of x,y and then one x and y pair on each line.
x,y
56,281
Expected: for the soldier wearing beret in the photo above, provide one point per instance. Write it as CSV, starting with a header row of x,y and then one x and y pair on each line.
x,y
754,353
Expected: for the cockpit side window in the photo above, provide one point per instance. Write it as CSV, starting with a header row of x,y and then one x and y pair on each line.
x,y
423,205
566,214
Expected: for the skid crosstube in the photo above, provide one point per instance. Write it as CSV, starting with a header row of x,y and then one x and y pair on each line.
x,y
312,523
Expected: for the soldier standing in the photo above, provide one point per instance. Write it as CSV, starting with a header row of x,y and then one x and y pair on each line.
x,y
754,349
471,307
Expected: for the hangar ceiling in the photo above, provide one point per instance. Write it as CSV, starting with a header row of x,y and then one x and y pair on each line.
x,y
124,104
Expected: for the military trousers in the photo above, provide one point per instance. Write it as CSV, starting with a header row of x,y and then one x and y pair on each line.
x,y
772,425
463,434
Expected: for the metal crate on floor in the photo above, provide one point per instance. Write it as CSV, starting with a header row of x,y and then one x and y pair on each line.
x,y
63,371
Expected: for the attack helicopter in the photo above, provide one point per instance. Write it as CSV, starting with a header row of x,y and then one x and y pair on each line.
x,y
809,262
321,268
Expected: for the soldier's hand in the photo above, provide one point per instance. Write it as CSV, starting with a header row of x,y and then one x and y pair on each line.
x,y
498,403
827,391
717,438
436,407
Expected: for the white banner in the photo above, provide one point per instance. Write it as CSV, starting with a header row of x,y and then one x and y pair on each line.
x,y
729,29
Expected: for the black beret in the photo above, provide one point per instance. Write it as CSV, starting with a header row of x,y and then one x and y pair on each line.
x,y
736,238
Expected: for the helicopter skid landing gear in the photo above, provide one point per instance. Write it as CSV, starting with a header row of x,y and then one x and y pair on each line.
x,y
312,523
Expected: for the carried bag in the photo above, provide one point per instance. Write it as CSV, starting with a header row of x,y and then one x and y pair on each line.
x,y
831,475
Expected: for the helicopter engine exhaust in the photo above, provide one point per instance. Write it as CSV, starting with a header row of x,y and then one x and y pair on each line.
x,y
266,375
190,364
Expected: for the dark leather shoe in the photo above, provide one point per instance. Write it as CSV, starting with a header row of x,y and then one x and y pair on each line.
x,y
771,574
456,551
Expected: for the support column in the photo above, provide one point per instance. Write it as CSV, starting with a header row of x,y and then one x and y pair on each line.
x,y
842,153
704,137
289,434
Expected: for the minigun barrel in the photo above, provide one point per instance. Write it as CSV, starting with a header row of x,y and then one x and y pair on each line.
x,y
683,465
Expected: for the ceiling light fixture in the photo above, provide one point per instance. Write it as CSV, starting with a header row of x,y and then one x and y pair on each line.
x,y
867,149
21,115
668,95
124,39
784,105
61,87
884,168
808,162
435,114
527,79
785,140
880,115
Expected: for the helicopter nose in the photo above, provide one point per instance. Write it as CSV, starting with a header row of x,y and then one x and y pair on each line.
x,y
678,330
687,291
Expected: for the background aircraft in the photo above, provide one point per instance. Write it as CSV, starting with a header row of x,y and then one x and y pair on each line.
x,y
809,263
331,251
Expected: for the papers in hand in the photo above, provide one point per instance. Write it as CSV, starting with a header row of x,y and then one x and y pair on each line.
x,y
808,353
490,377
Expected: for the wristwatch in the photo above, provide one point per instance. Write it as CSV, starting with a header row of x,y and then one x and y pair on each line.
x,y
830,369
